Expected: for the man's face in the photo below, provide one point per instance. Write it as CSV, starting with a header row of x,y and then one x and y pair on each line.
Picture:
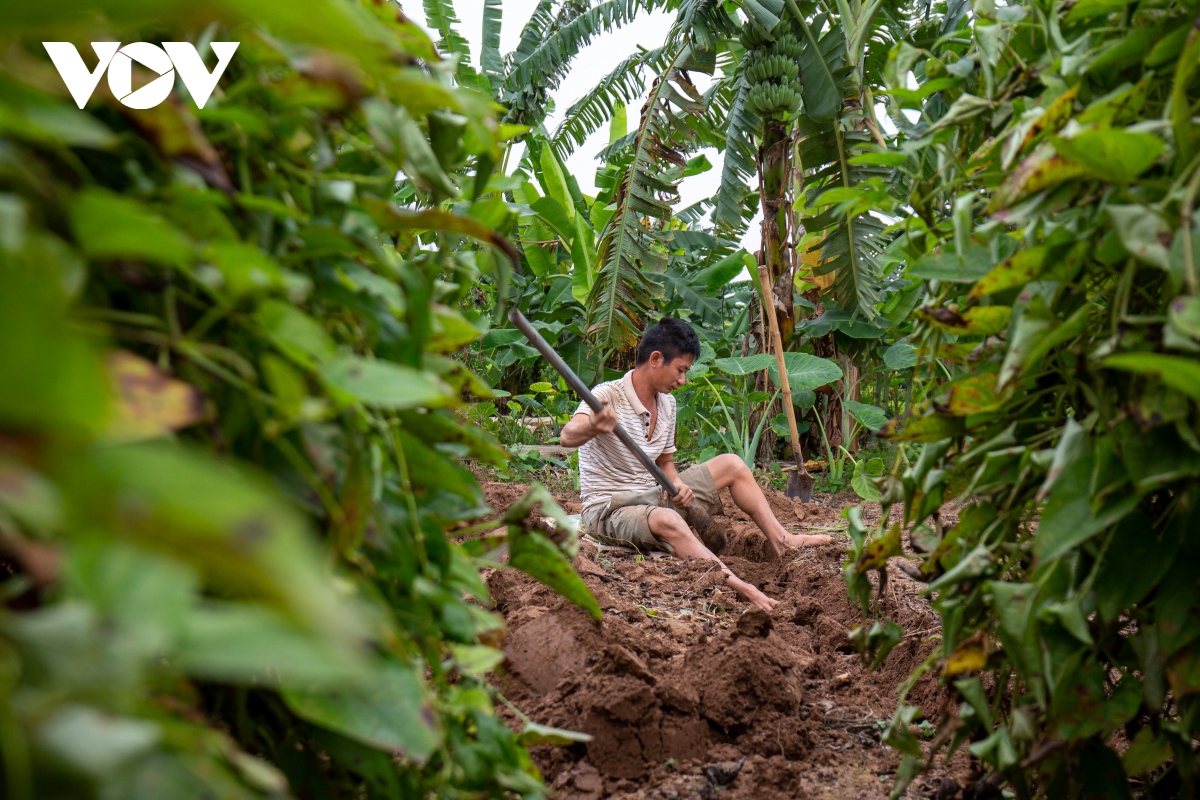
x,y
667,376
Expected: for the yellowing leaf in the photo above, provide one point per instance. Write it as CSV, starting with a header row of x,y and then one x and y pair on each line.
x,y
987,320
973,395
1017,270
976,321
1039,171
1055,115
930,428
149,402
957,352
810,260
969,656
877,553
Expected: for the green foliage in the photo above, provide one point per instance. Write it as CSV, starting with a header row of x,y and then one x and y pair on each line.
x,y
622,85
628,248
1053,193
739,154
230,474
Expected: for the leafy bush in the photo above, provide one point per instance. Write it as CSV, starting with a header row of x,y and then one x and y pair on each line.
x,y
1053,172
228,447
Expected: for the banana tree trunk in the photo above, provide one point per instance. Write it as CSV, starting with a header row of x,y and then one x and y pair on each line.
x,y
774,156
850,391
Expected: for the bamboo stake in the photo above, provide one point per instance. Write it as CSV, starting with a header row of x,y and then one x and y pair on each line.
x,y
768,303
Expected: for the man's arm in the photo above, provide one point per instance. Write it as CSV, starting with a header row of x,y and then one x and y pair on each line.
x,y
666,462
583,427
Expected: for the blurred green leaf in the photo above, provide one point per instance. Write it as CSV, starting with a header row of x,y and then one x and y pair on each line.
x,y
297,335
107,225
531,552
900,356
225,521
383,384
29,498
60,374
243,269
1142,231
94,742
1111,153
1176,371
391,713
241,643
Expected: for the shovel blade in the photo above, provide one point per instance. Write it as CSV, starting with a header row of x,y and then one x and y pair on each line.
x,y
799,485
710,533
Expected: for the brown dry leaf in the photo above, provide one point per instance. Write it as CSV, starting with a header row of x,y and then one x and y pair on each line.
x,y
150,403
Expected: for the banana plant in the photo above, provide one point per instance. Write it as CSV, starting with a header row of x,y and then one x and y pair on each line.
x,y
646,183
523,79
773,74
556,221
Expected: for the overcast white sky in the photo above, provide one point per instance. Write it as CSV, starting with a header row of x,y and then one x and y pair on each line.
x,y
596,60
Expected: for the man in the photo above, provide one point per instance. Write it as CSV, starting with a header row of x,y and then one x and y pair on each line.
x,y
622,503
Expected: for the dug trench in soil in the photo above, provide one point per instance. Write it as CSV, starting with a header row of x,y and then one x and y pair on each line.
x,y
685,694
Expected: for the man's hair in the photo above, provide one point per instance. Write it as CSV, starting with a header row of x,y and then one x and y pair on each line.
x,y
671,337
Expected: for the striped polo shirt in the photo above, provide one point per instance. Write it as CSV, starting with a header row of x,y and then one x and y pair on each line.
x,y
606,467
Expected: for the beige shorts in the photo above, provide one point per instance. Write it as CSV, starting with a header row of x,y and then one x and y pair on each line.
x,y
626,519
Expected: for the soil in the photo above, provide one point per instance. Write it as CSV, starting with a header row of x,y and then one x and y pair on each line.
x,y
687,693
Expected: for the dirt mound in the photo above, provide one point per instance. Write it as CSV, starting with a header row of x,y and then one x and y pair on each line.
x,y
684,693
792,514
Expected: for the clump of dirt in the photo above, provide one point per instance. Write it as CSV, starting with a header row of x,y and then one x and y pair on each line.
x,y
685,692
813,514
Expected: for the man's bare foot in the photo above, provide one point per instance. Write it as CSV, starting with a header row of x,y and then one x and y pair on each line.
x,y
750,594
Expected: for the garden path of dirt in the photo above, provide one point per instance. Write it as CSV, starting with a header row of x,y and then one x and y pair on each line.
x,y
686,695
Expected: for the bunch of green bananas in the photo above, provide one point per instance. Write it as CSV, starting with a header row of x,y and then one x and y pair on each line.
x,y
774,67
772,72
